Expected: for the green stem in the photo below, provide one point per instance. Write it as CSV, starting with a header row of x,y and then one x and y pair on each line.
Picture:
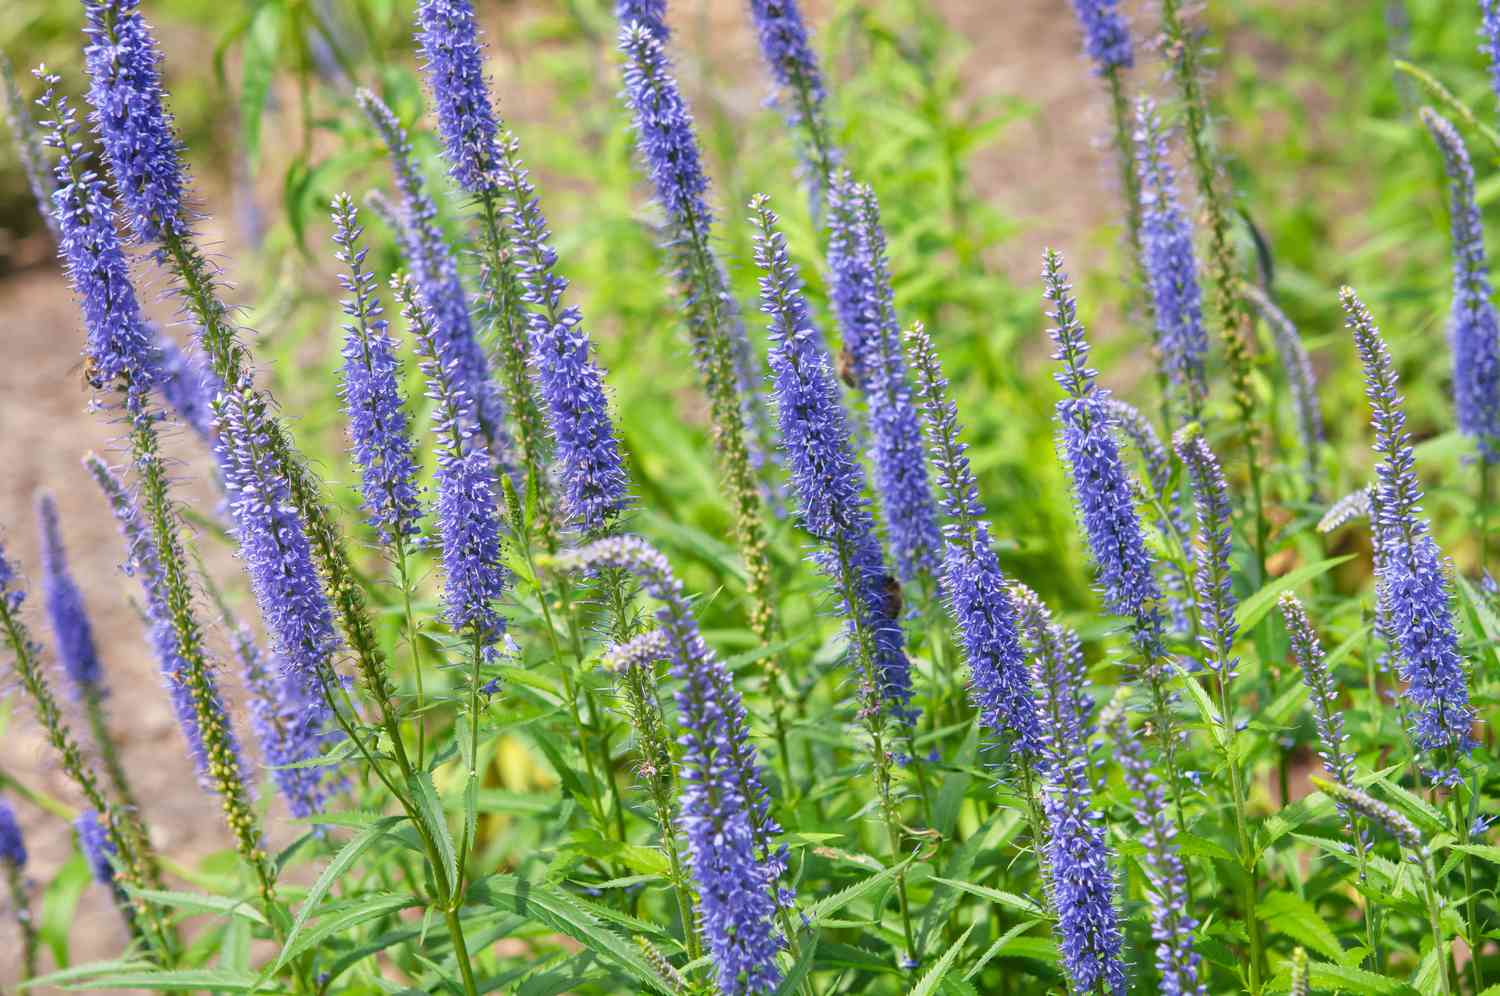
x,y
1249,862
21,906
1473,933
1435,920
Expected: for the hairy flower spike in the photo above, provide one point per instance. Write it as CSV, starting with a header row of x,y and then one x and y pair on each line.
x,y
1297,365
1378,813
131,119
1307,650
98,850
862,297
291,723
1172,925
1101,484
1414,591
66,611
272,539
378,429
1060,674
972,579
569,382
801,95
1216,601
649,14
142,562
119,342
1353,505
187,385
467,491
28,141
434,270
12,844
1106,37
1172,271
449,40
1473,328
827,477
1082,882
724,802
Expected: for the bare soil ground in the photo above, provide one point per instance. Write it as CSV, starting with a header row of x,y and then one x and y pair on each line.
x,y
1050,172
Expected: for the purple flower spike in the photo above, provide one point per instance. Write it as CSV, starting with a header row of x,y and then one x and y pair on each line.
x,y
1489,31
570,383
724,801
1101,484
187,385
862,297
434,268
1172,271
272,539
131,119
449,40
12,844
65,607
1473,328
1216,601
1413,587
1106,37
827,477
972,580
649,14
467,492
378,429
119,343
1172,925
142,562
1083,883
98,849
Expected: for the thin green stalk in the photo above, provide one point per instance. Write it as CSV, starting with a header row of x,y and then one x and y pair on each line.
x,y
1248,860
1435,919
20,904
409,621
1473,935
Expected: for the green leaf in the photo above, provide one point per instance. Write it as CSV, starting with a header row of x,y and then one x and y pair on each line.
x,y
181,980
261,52
959,866
430,810
198,903
1487,852
63,978
1356,980
551,907
1022,904
929,982
1290,914
60,904
1253,609
1001,943
341,863
827,907
335,918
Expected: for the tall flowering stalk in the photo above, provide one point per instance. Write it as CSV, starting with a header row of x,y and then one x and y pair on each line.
x,y
434,269
862,298
1172,924
28,142
1307,650
1217,632
972,579
1297,367
1379,814
26,664
448,37
1107,43
1473,327
724,805
1103,494
668,147
1058,672
1182,50
118,351
13,863
186,386
1489,33
1171,270
799,89
1413,587
76,649
570,384
829,483
140,145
